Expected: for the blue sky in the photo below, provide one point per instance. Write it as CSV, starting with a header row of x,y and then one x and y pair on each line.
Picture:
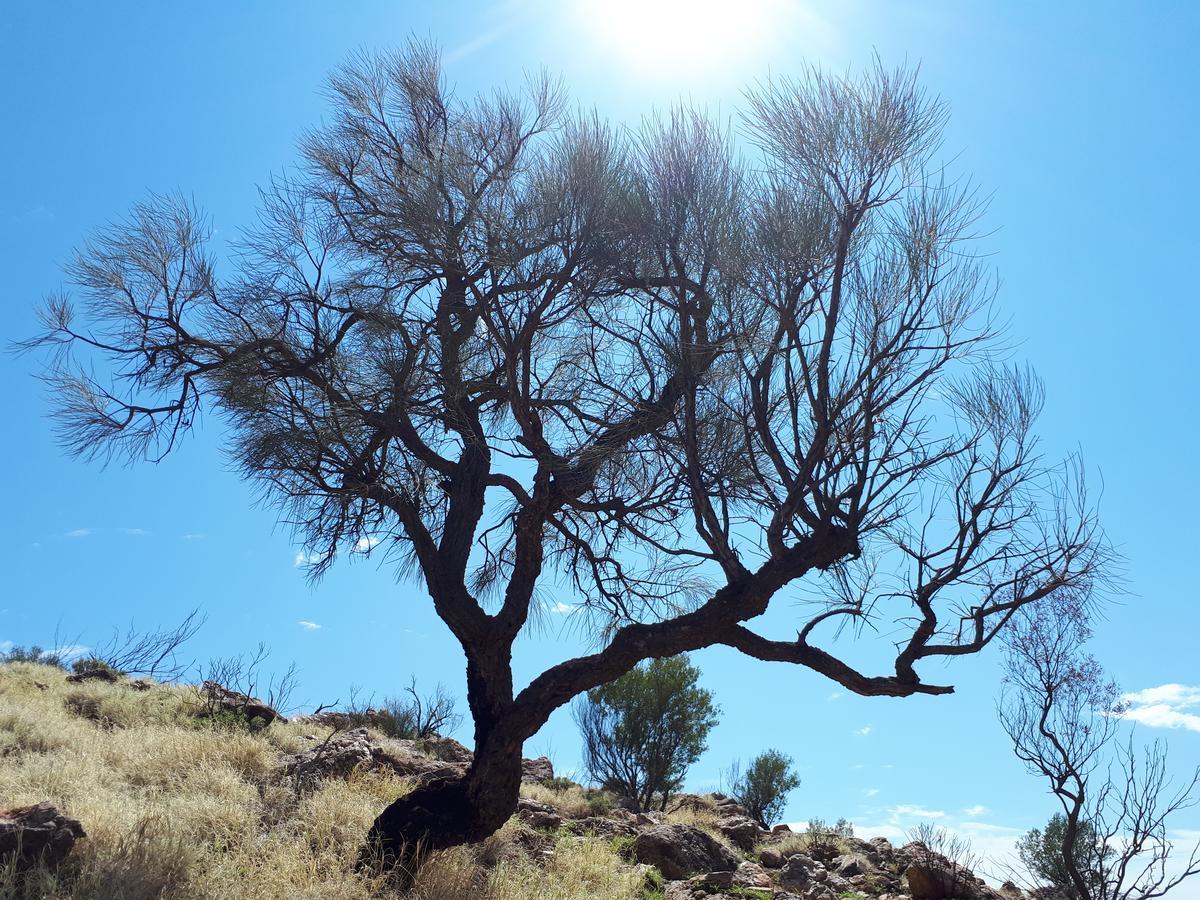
x,y
1079,117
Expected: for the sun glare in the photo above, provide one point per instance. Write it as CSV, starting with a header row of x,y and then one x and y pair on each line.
x,y
681,37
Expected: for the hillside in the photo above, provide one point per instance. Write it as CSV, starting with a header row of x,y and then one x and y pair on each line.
x,y
178,799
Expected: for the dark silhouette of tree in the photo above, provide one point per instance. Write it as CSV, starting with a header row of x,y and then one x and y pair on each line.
x,y
518,346
764,786
1063,714
644,730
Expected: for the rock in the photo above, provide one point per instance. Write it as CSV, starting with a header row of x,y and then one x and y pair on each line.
x,y
538,815
140,685
933,879
781,828
742,831
334,758
795,875
223,698
535,771
446,749
751,875
680,851
849,865
771,858
41,685
38,832
603,826
1010,889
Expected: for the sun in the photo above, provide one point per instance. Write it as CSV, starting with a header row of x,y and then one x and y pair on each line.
x,y
681,38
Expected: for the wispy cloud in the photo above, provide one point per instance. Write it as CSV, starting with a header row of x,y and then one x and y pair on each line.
x,y
870,792
71,651
561,607
864,731
194,536
474,45
5,646
897,814
365,544
78,533
135,532
836,695
977,810
307,625
1165,706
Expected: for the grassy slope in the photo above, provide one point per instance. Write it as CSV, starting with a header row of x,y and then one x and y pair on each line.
x,y
179,809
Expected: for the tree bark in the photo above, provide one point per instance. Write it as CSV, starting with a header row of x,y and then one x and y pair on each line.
x,y
448,812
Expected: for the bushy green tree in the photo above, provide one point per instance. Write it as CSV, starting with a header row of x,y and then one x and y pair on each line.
x,y
1041,852
642,731
764,786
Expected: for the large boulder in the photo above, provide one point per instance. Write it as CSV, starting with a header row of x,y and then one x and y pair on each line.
x,y
538,814
535,771
222,698
743,832
38,832
679,851
931,878
344,752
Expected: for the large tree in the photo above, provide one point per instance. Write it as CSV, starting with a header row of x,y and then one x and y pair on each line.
x,y
532,352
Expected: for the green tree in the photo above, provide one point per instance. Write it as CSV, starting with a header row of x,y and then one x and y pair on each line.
x,y
642,731
1041,852
764,786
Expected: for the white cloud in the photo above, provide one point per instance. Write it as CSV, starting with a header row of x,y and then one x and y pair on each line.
x,y
365,544
977,810
910,811
78,533
1164,706
194,536
304,559
307,625
864,731
870,792
5,646
135,532
561,607
71,651
836,695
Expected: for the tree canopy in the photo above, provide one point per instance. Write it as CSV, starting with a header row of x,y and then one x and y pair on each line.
x,y
669,372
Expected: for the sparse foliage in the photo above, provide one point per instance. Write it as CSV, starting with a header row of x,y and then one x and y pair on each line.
x,y
412,717
643,731
764,786
151,654
244,674
513,346
1063,715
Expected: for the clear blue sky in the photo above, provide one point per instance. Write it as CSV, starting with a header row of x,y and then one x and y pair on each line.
x,y
1080,117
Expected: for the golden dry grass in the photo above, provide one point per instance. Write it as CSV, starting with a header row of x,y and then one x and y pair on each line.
x,y
177,808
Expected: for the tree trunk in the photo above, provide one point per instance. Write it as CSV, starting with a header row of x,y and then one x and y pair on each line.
x,y
448,812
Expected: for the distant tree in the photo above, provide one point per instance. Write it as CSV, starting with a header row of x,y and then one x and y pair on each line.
x,y
33,654
513,347
1041,852
764,786
642,731
1063,713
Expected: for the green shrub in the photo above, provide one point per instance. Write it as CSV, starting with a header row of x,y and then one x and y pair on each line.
x,y
642,731
764,786
33,654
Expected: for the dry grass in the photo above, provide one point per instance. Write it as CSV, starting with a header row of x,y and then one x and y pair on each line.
x,y
178,808
572,802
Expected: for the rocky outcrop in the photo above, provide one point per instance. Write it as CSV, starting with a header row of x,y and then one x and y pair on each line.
x,y
347,751
535,771
40,832
742,831
222,698
680,851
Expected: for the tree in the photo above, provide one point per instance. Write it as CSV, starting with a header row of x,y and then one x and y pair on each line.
x,y
643,731
1063,714
1041,852
764,786
511,346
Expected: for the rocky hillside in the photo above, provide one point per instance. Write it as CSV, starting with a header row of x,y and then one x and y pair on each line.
x,y
111,788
